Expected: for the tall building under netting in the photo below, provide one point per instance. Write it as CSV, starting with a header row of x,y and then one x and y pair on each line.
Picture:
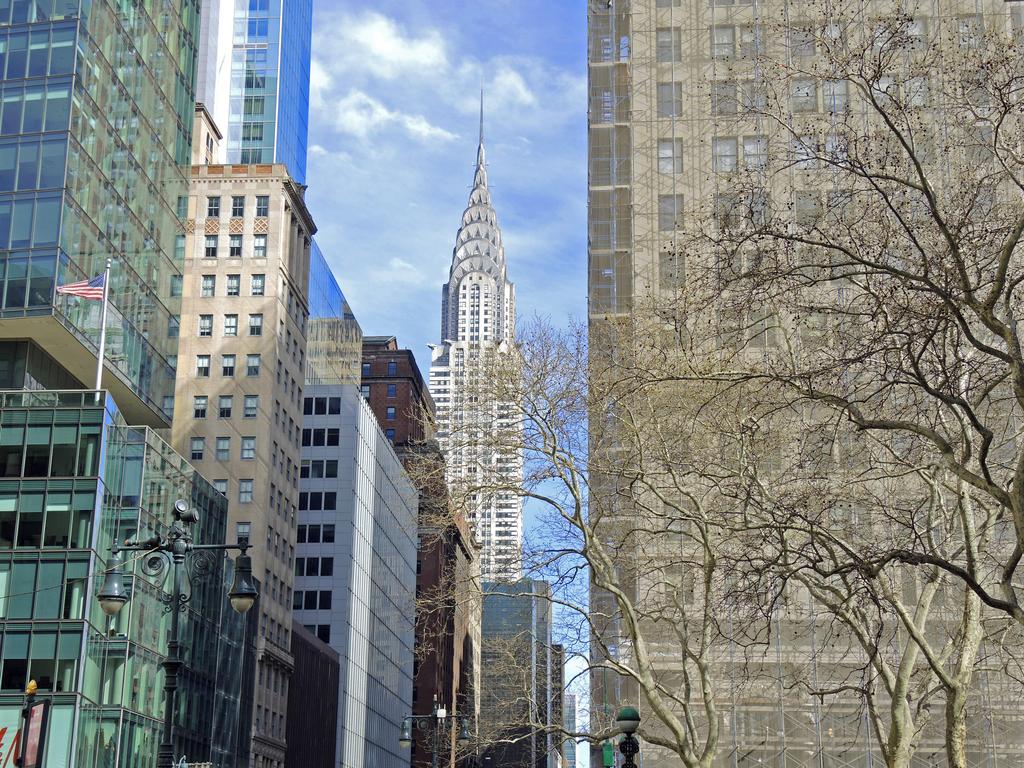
x,y
478,318
712,123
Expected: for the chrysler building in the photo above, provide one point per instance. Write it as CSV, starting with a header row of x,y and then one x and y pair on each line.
x,y
477,434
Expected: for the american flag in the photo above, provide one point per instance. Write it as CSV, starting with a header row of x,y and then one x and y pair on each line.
x,y
87,289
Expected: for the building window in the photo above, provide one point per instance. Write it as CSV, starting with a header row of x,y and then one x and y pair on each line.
x,y
805,95
245,488
199,405
723,97
669,44
237,206
234,285
801,41
670,211
835,95
208,286
211,247
323,633
392,390
176,281
173,326
670,155
390,413
221,487
213,207
197,446
364,390
182,206
224,406
252,365
259,246
670,99
230,325
227,365
179,247
235,246
751,41
366,369
243,530
248,448
250,406
256,325
262,206
203,366
805,151
755,152
390,435
392,368
223,449
206,325
723,154
257,285
723,42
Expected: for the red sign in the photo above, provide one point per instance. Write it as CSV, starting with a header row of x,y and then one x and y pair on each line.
x,y
35,735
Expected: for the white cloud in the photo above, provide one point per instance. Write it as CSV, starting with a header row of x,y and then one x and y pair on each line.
x,y
361,115
508,88
375,44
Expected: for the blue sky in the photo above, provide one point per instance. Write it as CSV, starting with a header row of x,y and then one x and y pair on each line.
x,y
393,132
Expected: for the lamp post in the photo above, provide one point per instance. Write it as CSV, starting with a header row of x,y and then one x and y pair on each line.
x,y
176,550
628,720
435,722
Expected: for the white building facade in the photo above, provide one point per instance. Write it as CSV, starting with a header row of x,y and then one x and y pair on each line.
x,y
478,316
355,585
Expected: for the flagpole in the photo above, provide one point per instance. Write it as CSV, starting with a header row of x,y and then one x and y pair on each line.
x,y
103,327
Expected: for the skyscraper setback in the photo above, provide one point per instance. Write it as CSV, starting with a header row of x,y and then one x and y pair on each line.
x,y
478,316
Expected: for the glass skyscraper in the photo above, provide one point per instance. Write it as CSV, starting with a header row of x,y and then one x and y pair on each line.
x,y
96,109
253,77
95,119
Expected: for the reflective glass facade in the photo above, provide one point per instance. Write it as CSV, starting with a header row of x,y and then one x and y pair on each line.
x,y
73,478
265,45
333,338
96,110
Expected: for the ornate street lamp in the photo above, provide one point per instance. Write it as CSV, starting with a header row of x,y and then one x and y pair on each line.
x,y
628,720
171,553
435,722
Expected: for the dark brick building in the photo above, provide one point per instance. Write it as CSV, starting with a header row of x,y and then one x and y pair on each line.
x,y
447,581
393,386
312,724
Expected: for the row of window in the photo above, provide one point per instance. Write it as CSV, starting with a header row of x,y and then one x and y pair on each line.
x,y
318,501
227,365
392,390
245,489
321,437
321,406
211,246
208,285
316,534
225,406
318,469
213,206
231,325
392,368
314,566
222,449
312,600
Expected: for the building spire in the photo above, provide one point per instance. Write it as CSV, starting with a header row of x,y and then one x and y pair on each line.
x,y
481,114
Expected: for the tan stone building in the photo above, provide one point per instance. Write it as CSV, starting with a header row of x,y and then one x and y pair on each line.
x,y
240,374
711,121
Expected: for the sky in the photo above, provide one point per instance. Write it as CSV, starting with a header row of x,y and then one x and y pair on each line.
x,y
394,119
394,116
